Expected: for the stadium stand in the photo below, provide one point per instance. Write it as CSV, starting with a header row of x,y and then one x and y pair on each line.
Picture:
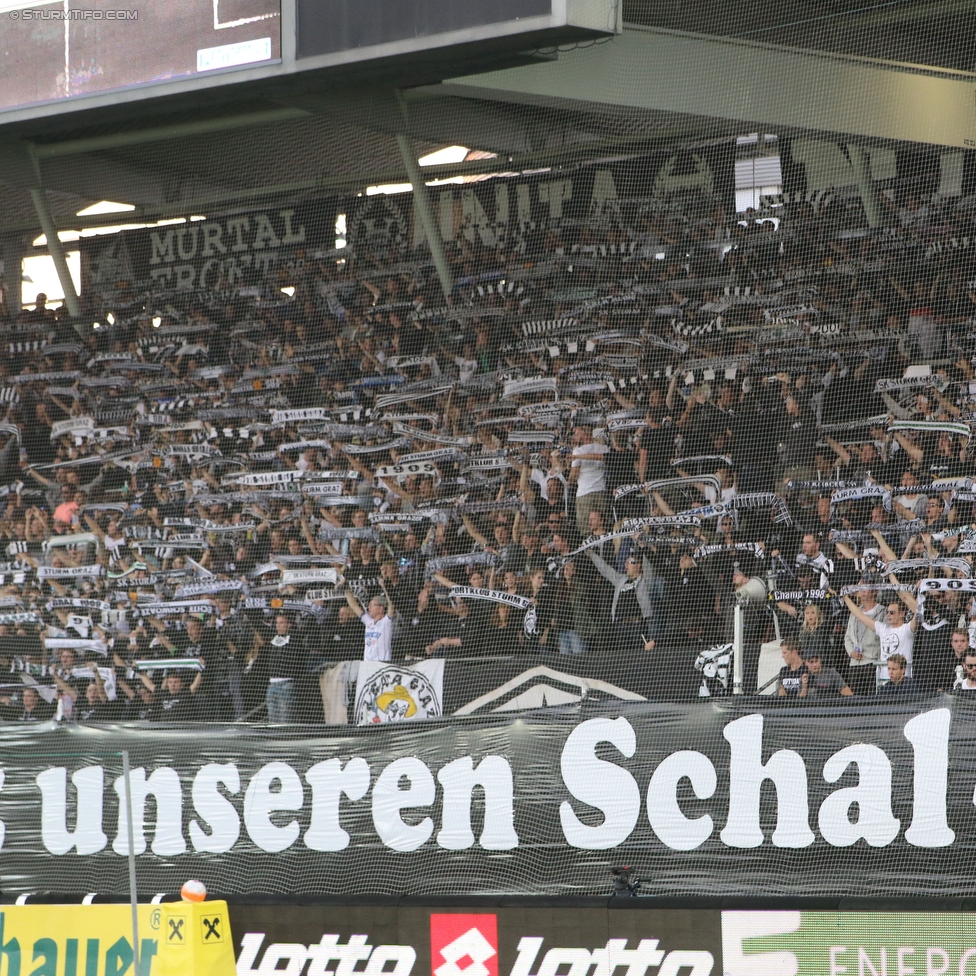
x,y
611,433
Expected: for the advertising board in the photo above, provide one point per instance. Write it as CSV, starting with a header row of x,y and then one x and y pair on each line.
x,y
620,938
525,941
175,938
799,943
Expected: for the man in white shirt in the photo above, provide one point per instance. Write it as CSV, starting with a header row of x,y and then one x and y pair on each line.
x,y
467,365
589,473
895,635
378,638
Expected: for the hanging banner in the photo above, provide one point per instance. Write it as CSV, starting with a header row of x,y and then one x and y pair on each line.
x,y
729,799
601,195
392,693
213,253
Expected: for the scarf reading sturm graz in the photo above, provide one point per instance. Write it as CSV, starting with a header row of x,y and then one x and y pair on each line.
x,y
391,399
535,384
862,491
498,596
302,446
441,454
210,586
391,518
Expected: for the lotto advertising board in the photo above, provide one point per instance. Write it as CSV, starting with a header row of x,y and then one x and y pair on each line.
x,y
302,940
624,940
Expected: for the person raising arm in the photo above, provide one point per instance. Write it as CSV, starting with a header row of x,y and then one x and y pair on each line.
x,y
378,638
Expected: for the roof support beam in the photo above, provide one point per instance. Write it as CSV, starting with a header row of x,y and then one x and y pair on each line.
x,y
163,133
422,202
783,89
57,254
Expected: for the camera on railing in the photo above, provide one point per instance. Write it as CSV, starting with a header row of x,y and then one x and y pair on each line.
x,y
624,884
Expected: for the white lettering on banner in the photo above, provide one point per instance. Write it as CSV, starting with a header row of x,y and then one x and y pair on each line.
x,y
260,803
408,783
329,781
458,779
389,800
929,735
291,958
327,951
88,836
604,961
875,822
216,811
600,784
747,773
170,250
164,787
672,827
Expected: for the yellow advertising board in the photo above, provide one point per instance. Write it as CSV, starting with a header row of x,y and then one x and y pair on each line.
x,y
96,940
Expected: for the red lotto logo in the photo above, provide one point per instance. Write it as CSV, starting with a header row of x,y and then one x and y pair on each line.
x,y
464,945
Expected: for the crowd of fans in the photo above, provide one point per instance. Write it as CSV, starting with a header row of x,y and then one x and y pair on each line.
x,y
609,436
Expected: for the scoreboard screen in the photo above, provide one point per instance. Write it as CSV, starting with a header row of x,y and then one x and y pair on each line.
x,y
54,50
328,26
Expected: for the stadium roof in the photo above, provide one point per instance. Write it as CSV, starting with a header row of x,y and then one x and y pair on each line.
x,y
928,32
270,142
